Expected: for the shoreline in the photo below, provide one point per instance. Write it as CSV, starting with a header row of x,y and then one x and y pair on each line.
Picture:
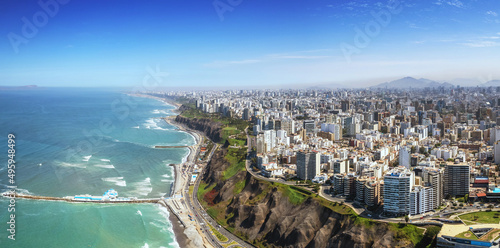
x,y
180,232
176,105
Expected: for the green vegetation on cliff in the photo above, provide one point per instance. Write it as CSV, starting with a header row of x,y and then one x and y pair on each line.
x,y
232,126
236,158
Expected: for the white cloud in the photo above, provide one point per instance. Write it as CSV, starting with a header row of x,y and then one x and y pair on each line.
x,y
492,13
454,3
483,43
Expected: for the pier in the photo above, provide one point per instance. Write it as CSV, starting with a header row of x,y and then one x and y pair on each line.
x,y
71,199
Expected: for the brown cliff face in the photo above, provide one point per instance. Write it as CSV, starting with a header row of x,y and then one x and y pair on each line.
x,y
263,215
210,128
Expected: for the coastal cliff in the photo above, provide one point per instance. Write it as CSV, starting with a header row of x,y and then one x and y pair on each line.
x,y
276,215
210,128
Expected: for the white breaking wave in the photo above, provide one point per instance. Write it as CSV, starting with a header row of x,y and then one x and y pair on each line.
x,y
19,191
159,111
105,160
136,127
118,181
64,164
145,245
86,158
139,212
142,188
152,124
107,166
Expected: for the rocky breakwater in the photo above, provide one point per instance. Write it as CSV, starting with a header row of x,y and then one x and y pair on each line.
x,y
272,214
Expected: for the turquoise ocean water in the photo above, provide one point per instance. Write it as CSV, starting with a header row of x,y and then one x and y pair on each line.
x,y
86,141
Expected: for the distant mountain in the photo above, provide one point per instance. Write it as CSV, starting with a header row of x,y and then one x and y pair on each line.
x,y
493,83
409,82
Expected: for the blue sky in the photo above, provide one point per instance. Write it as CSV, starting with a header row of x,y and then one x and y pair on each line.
x,y
248,43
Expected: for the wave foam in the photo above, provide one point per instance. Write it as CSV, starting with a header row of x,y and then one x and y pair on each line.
x,y
19,191
105,160
118,181
142,187
107,166
86,158
65,164
153,124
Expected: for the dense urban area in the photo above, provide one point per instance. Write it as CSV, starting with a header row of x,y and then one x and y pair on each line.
x,y
419,155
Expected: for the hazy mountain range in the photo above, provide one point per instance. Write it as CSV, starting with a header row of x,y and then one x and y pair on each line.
x,y
410,82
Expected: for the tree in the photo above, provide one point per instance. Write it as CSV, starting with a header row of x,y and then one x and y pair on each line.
x,y
421,150
466,198
316,187
407,218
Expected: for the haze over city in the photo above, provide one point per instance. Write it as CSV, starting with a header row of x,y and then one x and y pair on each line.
x,y
248,44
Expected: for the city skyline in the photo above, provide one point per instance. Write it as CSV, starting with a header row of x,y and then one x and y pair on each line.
x,y
248,43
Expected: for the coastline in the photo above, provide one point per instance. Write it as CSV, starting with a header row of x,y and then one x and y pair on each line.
x,y
176,105
184,236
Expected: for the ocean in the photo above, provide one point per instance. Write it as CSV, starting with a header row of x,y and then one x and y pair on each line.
x,y
73,141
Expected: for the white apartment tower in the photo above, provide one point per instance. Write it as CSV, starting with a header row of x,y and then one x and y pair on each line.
x,y
398,184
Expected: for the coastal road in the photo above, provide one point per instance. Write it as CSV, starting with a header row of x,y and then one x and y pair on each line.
x,y
197,207
200,215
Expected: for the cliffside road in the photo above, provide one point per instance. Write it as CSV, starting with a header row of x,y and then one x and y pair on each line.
x,y
359,210
201,214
